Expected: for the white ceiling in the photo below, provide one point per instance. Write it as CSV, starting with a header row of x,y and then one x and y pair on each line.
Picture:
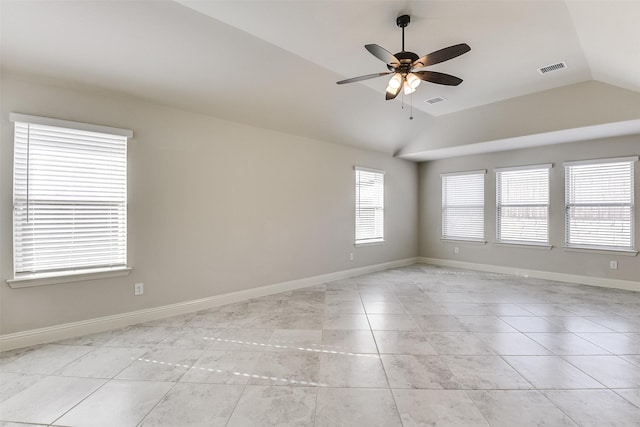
x,y
275,63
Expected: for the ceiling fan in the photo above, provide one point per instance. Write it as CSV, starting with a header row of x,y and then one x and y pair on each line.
x,y
403,65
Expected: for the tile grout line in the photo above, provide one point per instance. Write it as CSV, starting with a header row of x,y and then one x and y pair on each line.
x,y
382,364
175,383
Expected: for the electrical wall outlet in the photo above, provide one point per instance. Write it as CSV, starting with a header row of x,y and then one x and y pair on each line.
x,y
351,256
138,289
456,250
613,265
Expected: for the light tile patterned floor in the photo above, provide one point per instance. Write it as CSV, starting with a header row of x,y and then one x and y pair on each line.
x,y
419,345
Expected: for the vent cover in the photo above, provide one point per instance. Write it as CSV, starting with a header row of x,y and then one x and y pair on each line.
x,y
552,67
435,100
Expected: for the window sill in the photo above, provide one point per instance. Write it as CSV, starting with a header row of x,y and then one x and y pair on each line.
x,y
623,252
371,243
473,242
67,277
528,245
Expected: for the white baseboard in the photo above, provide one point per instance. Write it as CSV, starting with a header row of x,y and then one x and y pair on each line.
x,y
627,285
100,324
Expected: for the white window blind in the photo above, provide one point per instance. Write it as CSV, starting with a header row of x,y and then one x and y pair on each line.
x,y
600,204
522,204
69,197
369,205
463,206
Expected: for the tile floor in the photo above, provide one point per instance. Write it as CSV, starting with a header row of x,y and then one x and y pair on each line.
x,y
419,345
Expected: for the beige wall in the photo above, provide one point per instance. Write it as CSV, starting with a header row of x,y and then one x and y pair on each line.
x,y
214,207
556,260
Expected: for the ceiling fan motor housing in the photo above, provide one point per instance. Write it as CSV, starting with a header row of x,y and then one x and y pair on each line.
x,y
406,60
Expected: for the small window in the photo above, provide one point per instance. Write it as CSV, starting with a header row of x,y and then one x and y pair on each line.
x,y
463,206
522,205
69,197
369,206
599,204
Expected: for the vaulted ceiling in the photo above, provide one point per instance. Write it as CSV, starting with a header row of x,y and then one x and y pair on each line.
x,y
275,63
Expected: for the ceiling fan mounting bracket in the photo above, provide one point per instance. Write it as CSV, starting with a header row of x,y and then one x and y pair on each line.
x,y
403,21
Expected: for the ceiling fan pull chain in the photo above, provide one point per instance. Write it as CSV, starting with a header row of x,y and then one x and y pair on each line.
x,y
411,104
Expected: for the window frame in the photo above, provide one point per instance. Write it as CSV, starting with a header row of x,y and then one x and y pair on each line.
x,y
500,204
380,207
631,205
444,178
69,273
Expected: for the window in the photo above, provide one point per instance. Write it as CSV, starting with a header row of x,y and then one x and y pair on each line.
x,y
369,205
522,204
69,197
463,206
599,203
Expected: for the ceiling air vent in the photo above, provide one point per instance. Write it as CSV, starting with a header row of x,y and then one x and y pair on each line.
x,y
435,100
552,67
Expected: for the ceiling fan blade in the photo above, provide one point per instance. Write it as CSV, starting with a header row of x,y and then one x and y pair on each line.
x,y
360,78
383,54
441,55
439,78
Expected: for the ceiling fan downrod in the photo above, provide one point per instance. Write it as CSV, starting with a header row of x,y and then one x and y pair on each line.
x,y
403,21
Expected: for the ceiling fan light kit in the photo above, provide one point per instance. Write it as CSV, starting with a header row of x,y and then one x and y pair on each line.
x,y
405,65
395,82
